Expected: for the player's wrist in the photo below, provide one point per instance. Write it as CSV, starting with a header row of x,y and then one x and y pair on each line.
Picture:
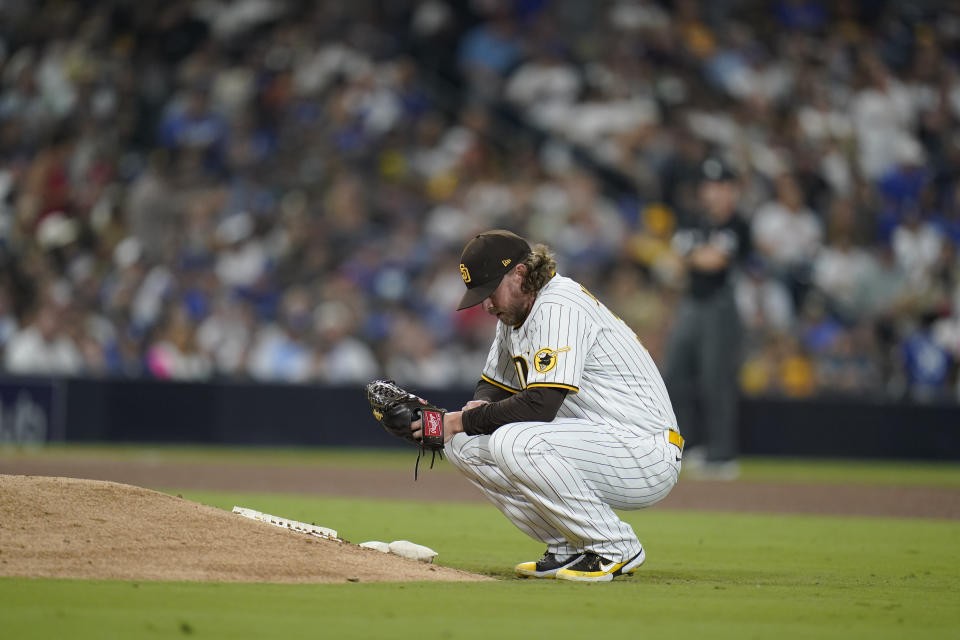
x,y
453,423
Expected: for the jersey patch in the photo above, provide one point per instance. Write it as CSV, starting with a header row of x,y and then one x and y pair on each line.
x,y
546,359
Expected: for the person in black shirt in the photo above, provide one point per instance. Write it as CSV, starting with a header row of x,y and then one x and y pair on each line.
x,y
703,352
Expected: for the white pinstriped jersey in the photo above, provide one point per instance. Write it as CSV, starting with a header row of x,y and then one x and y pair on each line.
x,y
572,341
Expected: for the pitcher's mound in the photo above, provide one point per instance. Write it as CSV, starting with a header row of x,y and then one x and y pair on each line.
x,y
69,528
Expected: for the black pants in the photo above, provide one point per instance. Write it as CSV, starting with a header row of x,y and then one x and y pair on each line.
x,y
703,363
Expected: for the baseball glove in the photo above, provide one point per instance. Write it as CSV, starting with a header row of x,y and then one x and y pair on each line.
x,y
396,409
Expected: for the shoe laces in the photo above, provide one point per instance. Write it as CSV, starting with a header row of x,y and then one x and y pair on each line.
x,y
589,562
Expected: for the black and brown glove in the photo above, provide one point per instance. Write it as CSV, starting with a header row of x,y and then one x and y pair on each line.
x,y
396,409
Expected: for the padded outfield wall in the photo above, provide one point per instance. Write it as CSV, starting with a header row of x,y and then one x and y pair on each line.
x,y
83,410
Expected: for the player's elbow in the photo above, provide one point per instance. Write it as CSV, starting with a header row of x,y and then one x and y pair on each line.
x,y
546,402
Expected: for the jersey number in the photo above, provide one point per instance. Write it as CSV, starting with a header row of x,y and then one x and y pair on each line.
x,y
522,368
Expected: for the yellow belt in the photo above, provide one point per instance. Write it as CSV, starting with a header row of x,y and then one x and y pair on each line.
x,y
676,439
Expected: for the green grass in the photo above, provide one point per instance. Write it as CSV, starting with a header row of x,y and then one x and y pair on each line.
x,y
477,538
864,472
483,611
800,471
710,575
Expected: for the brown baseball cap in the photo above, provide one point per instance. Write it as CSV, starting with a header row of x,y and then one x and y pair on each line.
x,y
485,260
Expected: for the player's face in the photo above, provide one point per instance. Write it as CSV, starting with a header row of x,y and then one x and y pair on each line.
x,y
508,302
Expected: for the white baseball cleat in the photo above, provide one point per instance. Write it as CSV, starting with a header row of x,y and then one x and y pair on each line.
x,y
594,568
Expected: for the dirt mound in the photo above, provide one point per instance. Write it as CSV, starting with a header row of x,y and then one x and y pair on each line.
x,y
70,528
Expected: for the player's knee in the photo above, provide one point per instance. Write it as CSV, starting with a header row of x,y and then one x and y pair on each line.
x,y
501,452
457,450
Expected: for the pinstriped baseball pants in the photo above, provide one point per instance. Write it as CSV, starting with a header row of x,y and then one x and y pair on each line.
x,y
559,482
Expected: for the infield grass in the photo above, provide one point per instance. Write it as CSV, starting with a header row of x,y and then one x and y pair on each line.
x,y
708,575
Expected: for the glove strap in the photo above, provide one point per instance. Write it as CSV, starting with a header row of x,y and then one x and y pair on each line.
x,y
432,423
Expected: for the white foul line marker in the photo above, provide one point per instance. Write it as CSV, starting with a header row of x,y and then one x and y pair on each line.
x,y
285,523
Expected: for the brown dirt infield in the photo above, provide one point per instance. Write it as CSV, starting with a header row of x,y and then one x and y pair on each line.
x,y
445,484
71,528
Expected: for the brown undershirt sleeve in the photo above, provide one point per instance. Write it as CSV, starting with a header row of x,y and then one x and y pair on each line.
x,y
539,404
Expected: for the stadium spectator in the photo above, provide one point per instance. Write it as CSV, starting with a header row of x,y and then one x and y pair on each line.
x,y
43,346
253,163
173,354
788,235
764,303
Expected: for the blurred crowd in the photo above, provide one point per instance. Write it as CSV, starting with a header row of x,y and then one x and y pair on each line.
x,y
277,190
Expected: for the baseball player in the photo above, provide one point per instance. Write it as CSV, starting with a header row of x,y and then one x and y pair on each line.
x,y
570,419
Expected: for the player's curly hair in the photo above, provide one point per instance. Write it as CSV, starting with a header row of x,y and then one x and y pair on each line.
x,y
540,268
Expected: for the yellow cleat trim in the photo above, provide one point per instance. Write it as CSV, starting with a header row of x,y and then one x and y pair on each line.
x,y
529,569
594,574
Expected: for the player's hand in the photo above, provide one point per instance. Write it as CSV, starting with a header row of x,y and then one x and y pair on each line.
x,y
452,425
473,404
